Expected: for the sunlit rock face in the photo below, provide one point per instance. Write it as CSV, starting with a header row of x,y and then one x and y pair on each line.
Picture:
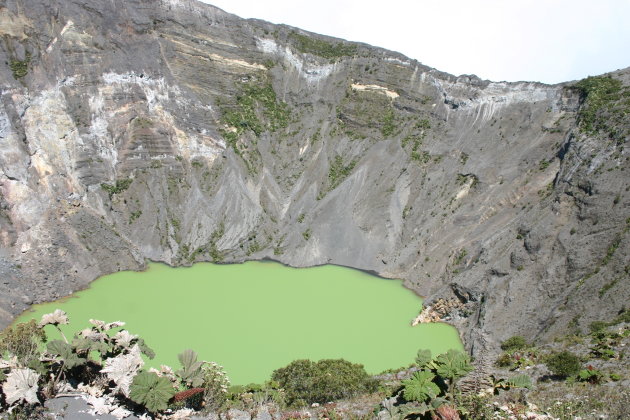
x,y
173,131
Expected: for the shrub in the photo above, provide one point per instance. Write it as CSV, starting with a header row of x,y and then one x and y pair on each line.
x,y
514,343
622,317
23,341
504,360
19,68
305,381
597,326
120,186
564,364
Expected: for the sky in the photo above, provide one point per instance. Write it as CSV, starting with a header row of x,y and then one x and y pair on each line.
x,y
549,41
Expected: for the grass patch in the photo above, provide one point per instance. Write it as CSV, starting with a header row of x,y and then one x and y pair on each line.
x,y
422,157
460,257
120,186
134,215
329,50
611,250
245,116
389,123
339,171
606,107
19,68
257,110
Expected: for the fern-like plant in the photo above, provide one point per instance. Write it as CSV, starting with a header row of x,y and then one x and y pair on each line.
x,y
420,387
453,365
519,381
191,373
423,358
151,391
497,384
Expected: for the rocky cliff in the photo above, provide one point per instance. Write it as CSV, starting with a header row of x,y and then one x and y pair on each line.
x,y
172,131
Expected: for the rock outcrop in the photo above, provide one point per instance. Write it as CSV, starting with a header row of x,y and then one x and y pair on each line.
x,y
172,131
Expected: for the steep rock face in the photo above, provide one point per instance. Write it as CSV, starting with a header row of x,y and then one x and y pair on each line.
x,y
170,130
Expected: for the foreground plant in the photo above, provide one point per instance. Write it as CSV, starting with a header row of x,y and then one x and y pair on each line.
x,y
21,386
497,384
22,341
152,391
209,377
431,389
106,361
327,380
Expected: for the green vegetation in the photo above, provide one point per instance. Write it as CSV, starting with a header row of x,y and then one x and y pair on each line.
x,y
610,252
389,123
564,364
423,124
120,186
257,110
603,341
213,251
606,107
143,122
516,342
423,157
590,375
329,50
105,358
20,68
518,358
134,215
460,257
543,164
432,388
306,234
415,139
309,382
152,391
605,288
568,376
23,341
462,179
546,192
339,171
316,136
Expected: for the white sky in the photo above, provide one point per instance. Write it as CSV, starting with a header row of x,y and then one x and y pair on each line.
x,y
543,40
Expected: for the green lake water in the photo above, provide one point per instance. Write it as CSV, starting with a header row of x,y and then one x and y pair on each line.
x,y
255,317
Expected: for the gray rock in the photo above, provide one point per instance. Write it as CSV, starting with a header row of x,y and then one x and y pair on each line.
x,y
263,414
75,408
234,414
